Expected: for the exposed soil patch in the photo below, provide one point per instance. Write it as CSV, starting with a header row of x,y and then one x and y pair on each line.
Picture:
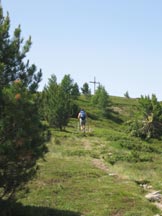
x,y
86,144
96,162
100,164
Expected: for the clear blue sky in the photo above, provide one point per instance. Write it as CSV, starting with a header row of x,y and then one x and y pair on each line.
x,y
117,41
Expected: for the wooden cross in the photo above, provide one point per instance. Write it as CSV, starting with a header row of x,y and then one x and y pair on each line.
x,y
94,82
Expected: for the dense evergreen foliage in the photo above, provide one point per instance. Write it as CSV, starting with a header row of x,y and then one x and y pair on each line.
x,y
85,89
148,124
21,133
101,100
58,101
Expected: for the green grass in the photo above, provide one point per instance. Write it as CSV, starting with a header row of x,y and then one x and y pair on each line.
x,y
70,182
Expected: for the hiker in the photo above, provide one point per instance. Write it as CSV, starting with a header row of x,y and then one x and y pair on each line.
x,y
82,119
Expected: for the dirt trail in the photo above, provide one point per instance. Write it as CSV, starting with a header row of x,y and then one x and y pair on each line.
x,y
99,163
86,144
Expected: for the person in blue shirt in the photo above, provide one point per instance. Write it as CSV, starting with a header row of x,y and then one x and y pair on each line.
x,y
82,116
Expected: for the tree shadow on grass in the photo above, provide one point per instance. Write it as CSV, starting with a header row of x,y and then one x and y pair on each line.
x,y
17,209
93,116
113,116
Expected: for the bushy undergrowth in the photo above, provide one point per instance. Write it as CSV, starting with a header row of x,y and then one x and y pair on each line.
x,y
75,178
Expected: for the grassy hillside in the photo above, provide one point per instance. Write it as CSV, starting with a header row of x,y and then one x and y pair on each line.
x,y
104,172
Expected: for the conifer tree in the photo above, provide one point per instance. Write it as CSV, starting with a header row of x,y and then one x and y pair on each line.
x,y
101,99
126,95
57,103
21,133
68,86
149,121
75,91
85,89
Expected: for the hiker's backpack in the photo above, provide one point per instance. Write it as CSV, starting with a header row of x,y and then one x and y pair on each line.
x,y
82,115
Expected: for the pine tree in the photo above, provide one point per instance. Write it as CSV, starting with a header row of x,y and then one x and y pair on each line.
x,y
85,89
101,99
21,133
57,103
67,84
126,95
149,121
71,88
75,91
